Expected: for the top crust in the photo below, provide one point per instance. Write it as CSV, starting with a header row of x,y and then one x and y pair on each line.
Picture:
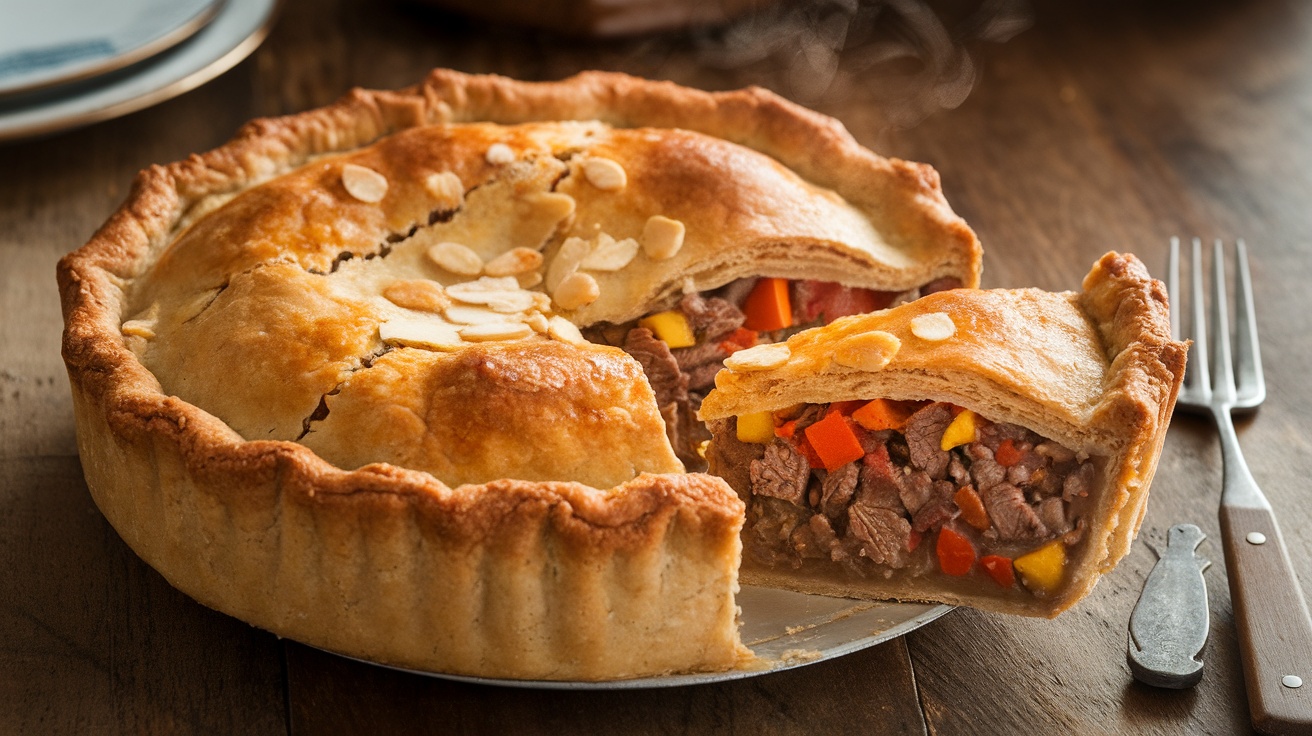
x,y
1096,371
226,238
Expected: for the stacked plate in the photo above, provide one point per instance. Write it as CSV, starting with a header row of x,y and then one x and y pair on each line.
x,y
67,63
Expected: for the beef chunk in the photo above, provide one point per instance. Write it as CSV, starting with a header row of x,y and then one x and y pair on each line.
x,y
710,317
1014,519
1030,461
729,458
825,536
669,383
924,433
837,490
770,525
700,363
884,534
1052,512
996,433
915,489
878,485
1079,482
1055,452
938,508
983,468
782,472
957,471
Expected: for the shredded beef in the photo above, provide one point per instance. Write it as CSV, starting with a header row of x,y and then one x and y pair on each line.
x,y
782,473
1079,482
837,489
710,317
983,468
914,489
1012,516
924,433
884,534
937,509
669,383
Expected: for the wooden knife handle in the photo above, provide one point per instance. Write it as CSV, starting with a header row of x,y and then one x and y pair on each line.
x,y
1275,630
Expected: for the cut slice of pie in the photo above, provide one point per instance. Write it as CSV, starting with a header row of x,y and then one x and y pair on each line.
x,y
394,377
985,448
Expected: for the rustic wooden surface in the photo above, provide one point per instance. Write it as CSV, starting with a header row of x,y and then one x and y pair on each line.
x,y
1104,125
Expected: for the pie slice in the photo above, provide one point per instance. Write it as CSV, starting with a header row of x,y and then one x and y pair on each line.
x,y
410,377
983,448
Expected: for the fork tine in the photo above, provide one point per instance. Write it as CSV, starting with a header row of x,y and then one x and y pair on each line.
x,y
1248,358
1223,377
1200,385
1173,288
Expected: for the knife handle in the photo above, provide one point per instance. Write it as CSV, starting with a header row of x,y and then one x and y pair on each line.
x,y
1275,629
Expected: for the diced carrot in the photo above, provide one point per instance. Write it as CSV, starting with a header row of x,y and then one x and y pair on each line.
x,y
768,306
834,441
786,430
999,568
956,555
882,414
1007,455
845,407
972,509
740,339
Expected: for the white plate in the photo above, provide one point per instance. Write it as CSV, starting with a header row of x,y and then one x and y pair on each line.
x,y
50,42
231,36
783,628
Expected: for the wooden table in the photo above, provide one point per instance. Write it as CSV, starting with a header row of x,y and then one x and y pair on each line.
x,y
1103,126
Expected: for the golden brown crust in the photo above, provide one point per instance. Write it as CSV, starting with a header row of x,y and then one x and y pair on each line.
x,y
1096,371
505,578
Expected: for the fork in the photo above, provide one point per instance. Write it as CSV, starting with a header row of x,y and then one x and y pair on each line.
x,y
1275,630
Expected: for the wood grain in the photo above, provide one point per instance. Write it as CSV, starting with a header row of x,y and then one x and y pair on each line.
x,y
1107,125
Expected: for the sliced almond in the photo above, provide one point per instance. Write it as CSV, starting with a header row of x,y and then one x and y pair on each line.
x,y
418,333
759,358
510,302
469,291
496,331
662,237
549,207
610,254
934,326
513,262
139,328
566,261
867,351
538,322
541,301
473,315
529,280
363,183
418,294
446,188
605,174
456,258
564,330
576,290
499,154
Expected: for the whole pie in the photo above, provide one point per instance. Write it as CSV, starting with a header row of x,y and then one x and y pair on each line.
x,y
414,377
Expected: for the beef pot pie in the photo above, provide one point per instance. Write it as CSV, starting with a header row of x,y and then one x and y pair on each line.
x,y
986,448
409,377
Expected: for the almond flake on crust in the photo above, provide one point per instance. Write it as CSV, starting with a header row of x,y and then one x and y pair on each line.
x,y
605,174
759,358
566,261
456,258
564,330
934,326
496,331
499,154
577,290
417,333
364,183
420,295
446,188
662,237
513,262
139,328
473,315
867,351
610,254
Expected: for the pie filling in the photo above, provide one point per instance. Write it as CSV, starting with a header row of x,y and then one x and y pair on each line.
x,y
681,349
898,490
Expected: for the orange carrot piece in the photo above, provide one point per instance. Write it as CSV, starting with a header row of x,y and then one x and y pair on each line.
x,y
956,555
740,339
881,414
1007,455
834,441
786,430
972,509
999,568
768,306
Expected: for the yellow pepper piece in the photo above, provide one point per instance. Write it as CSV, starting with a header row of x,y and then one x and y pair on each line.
x,y
1042,570
757,427
671,327
959,432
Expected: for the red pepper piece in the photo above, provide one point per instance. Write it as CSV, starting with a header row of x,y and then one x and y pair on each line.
x,y
1007,455
956,555
999,568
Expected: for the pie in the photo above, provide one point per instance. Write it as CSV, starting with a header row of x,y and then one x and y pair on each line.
x,y
983,448
410,377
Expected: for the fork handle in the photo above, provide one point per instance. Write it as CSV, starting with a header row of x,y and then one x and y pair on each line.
x,y
1275,630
